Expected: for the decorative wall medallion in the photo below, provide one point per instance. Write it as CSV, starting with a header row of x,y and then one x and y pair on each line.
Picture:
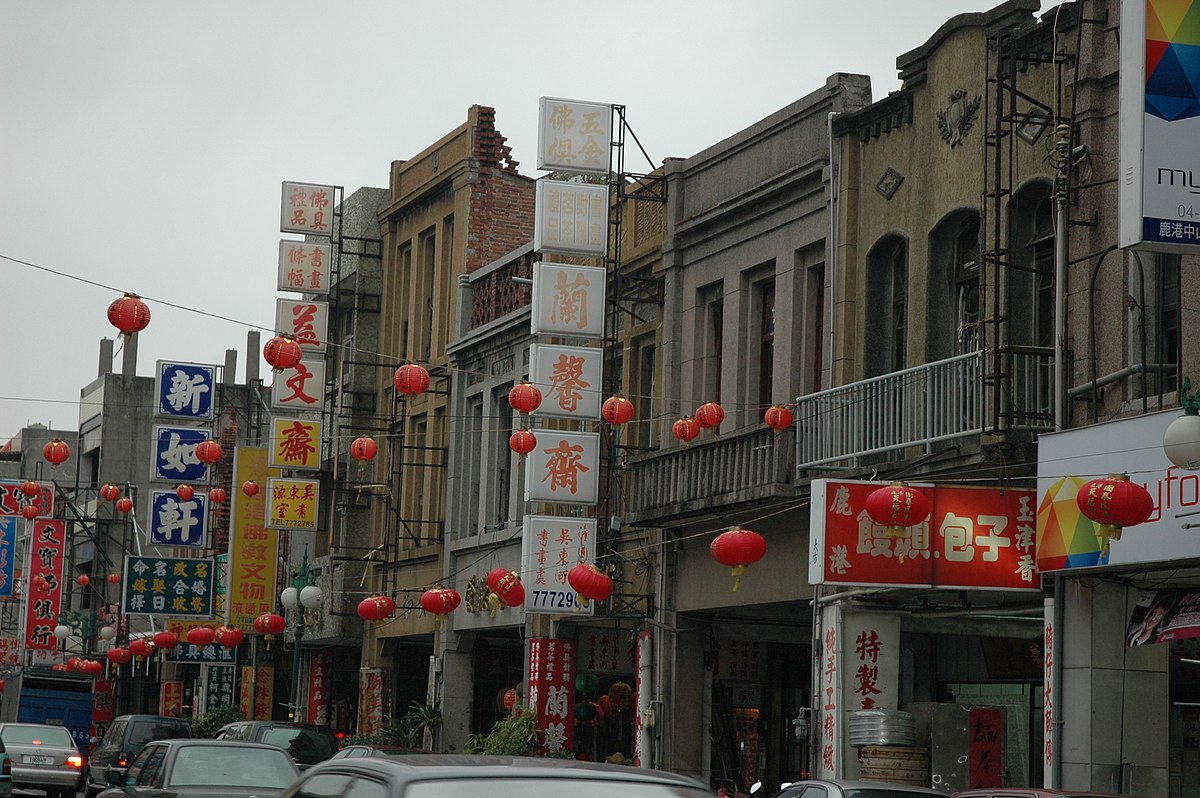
x,y
957,118
889,183
475,596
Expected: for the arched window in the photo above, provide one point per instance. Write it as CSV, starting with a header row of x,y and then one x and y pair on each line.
x,y
887,300
1031,260
953,311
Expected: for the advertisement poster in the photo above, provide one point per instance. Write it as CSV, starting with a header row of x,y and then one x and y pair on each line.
x,y
1163,615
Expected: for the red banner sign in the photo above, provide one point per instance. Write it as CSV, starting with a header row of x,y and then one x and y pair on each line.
x,y
985,747
973,538
12,500
102,708
552,692
318,688
170,699
45,583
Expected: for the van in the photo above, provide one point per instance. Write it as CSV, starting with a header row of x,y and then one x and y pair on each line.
x,y
127,735
307,743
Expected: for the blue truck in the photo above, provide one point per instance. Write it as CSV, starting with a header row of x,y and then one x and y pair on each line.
x,y
59,699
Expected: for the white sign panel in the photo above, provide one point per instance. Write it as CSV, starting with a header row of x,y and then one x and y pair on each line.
x,y
574,136
300,387
306,322
1159,205
568,300
829,729
569,378
551,546
304,267
870,663
563,468
306,209
570,217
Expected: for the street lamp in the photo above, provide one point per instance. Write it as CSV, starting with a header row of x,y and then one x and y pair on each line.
x,y
83,625
303,594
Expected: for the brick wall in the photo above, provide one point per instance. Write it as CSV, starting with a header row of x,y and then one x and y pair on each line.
x,y
501,216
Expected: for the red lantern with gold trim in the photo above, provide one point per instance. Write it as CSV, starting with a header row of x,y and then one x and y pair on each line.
x,y
209,451
617,410
440,600
118,655
506,586
1114,502
364,449
710,415
250,487
411,379
30,488
30,511
228,636
524,397
376,608
185,493
83,580
897,507
686,429
110,492
114,579
282,352
738,548
217,495
270,624
165,641
124,504
201,635
522,441
56,452
129,314
590,583
140,648
778,418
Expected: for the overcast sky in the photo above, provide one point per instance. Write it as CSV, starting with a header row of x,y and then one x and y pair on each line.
x,y
142,144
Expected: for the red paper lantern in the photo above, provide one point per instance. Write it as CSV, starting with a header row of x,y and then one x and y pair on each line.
x,y
93,666
217,495
30,488
229,636
209,451
140,648
738,548
114,579
118,655
686,429
56,452
509,699
364,449
129,314
249,487
30,511
522,441
41,583
83,580
440,600
411,379
590,583
376,608
710,415
110,492
269,624
525,398
778,418
897,507
185,493
506,586
617,410
1114,502
165,640
124,504
282,352
201,635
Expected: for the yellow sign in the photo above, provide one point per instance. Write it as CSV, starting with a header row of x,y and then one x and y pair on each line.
x,y
253,546
295,443
292,503
257,692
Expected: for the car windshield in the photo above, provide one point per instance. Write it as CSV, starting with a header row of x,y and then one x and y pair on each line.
x,y
145,731
229,765
549,786
36,735
307,746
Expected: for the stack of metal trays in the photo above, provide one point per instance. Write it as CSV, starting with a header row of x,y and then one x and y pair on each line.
x,y
881,727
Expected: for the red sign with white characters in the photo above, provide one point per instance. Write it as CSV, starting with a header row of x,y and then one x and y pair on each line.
x,y
974,538
318,688
552,692
12,500
45,583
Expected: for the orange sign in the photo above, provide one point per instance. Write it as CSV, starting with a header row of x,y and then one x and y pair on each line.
x,y
170,699
253,546
264,692
292,503
295,443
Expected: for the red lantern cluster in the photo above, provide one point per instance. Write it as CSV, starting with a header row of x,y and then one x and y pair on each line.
x,y
228,636
141,648
209,451
686,429
440,600
778,418
524,397
590,583
185,493
1114,503
897,507
56,452
217,496
110,492
522,441
282,352
250,487
165,641
710,415
124,504
411,379
129,314
30,488
376,608
617,410
270,624
738,548
506,587
118,655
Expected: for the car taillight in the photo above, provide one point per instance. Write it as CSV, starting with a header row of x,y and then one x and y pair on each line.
x,y
6,768
75,761
122,761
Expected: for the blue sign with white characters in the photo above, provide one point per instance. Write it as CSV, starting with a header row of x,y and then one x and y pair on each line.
x,y
175,454
8,542
185,390
175,522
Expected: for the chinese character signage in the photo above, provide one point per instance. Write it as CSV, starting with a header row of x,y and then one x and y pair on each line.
x,y
605,652
168,586
175,454
570,218
568,300
870,661
985,747
318,687
370,700
830,730
973,538
304,267
253,546
45,594
574,136
190,652
552,692
300,387
218,686
102,713
738,659
185,390
306,209
12,500
1049,698
8,540
175,522
10,648
170,699
569,378
306,322
563,468
295,443
550,548
292,503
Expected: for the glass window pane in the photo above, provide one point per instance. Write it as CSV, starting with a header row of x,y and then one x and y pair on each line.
x,y
229,765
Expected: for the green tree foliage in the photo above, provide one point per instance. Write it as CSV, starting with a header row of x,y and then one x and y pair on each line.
x,y
208,724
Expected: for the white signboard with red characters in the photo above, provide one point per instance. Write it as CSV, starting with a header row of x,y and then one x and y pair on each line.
x,y
550,548
306,209
306,322
304,267
974,538
552,692
829,730
563,468
569,378
300,387
568,300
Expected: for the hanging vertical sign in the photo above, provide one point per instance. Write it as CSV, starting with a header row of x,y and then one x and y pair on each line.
x,y
304,267
264,692
8,539
253,546
184,390
568,300
246,692
300,387
564,468
44,592
296,444
571,218
574,136
569,378
170,699
305,322
551,546
370,700
552,692
318,687
306,209
985,747
218,686
102,712
1049,697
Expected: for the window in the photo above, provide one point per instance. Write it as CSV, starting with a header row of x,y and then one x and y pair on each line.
x,y
320,785
766,345
360,787
816,314
428,289
966,286
151,767
715,335
644,368
227,765
502,424
139,764
1155,322
885,340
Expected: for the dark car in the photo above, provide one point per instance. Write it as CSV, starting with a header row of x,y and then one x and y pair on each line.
x,y
205,769
855,789
124,740
355,751
43,757
1032,792
441,775
308,743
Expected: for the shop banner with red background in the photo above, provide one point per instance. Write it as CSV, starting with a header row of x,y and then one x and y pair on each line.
x,y
12,500
974,538
552,692
318,687
44,605
102,708
985,747
170,699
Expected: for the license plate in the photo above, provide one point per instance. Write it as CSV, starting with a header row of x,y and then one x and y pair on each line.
x,y
37,760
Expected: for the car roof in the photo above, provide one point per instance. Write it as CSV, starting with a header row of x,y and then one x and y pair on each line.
x,y
151,717
188,742
414,767
862,784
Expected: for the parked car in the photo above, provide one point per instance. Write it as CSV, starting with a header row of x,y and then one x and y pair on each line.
x,y
6,785
355,751
1032,792
124,740
308,743
44,757
198,768
439,775
815,788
